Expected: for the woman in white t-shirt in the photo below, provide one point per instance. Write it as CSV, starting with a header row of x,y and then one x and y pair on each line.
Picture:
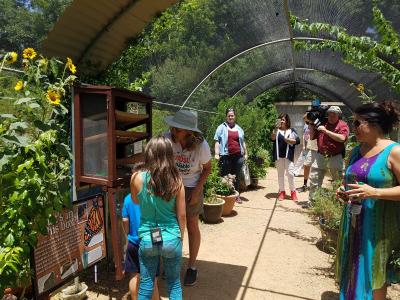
x,y
285,139
193,158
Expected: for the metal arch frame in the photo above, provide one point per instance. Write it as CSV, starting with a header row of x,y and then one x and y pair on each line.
x,y
248,50
328,92
288,70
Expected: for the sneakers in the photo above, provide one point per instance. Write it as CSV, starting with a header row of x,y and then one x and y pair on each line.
x,y
293,195
190,277
281,196
302,189
238,200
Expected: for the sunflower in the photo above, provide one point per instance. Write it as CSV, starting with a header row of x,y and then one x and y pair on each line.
x,y
360,88
29,53
53,97
19,86
11,57
42,62
71,66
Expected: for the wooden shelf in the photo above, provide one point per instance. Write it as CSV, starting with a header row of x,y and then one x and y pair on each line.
x,y
121,136
129,118
95,138
139,157
134,135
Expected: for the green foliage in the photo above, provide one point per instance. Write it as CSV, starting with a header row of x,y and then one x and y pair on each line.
x,y
327,206
158,124
34,161
27,23
217,185
258,163
213,199
394,261
363,52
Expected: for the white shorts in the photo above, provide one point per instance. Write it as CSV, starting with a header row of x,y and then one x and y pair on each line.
x,y
309,157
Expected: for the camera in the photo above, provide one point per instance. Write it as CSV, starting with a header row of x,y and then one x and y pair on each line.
x,y
318,115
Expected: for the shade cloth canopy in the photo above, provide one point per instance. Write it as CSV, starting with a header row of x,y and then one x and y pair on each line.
x,y
97,31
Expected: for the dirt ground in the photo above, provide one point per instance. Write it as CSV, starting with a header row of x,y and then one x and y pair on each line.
x,y
265,250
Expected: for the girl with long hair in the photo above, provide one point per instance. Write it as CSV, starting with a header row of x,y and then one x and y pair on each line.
x,y
159,191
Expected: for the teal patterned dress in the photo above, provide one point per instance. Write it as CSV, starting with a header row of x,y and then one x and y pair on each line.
x,y
366,241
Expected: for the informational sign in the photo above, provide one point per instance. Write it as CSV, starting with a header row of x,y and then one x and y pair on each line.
x,y
76,241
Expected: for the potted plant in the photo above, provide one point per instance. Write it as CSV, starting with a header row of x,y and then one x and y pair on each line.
x,y
221,188
258,164
225,189
212,209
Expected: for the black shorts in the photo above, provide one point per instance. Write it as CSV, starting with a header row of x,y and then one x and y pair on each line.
x,y
132,264
132,258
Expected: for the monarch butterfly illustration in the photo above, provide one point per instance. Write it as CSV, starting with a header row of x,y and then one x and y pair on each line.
x,y
94,223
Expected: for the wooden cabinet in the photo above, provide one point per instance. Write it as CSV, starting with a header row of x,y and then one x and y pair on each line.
x,y
110,125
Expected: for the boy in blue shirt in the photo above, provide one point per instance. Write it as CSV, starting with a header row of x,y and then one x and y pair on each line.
x,y
131,223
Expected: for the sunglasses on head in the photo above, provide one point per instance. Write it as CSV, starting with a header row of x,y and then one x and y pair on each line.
x,y
357,123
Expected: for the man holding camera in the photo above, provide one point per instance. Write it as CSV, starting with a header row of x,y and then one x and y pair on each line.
x,y
331,138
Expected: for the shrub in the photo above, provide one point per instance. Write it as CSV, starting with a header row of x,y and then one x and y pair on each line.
x,y
258,162
327,206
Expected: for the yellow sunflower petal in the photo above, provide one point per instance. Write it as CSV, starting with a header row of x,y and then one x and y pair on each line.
x,y
53,97
19,86
360,88
11,57
29,53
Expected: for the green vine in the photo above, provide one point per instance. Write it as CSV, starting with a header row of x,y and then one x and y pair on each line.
x,y
362,52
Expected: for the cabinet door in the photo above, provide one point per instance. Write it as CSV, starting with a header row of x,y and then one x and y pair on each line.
x,y
94,135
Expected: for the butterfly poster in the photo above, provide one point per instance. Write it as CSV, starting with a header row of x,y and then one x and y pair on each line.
x,y
73,243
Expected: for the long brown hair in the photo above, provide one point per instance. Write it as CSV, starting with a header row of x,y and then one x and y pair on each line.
x,y
165,180
192,140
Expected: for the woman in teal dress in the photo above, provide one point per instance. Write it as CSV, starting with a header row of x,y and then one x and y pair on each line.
x,y
370,225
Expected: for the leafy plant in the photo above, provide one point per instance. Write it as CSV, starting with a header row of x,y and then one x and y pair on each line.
x,y
213,199
224,186
326,206
259,161
217,185
34,159
394,261
382,57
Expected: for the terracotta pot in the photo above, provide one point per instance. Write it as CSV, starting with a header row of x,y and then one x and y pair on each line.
x,y
213,211
229,203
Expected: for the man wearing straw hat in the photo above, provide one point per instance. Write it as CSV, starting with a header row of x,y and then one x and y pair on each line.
x,y
193,159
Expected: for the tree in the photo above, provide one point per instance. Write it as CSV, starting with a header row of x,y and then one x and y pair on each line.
x,y
26,23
